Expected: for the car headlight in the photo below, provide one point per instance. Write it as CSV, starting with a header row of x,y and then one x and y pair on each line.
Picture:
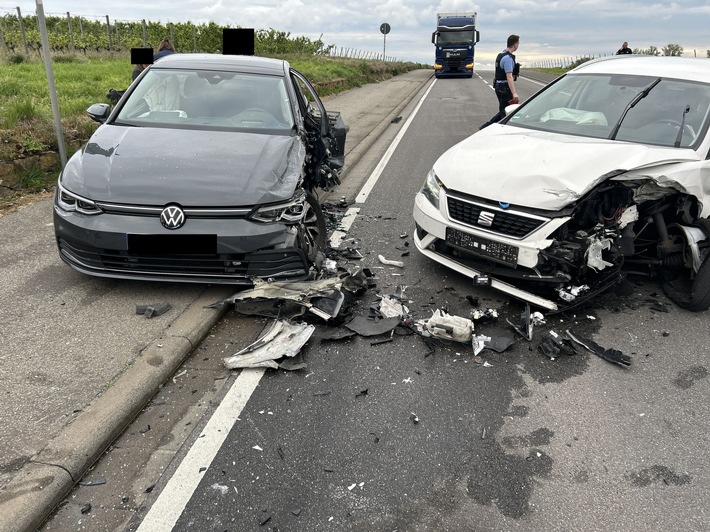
x,y
70,202
291,211
432,188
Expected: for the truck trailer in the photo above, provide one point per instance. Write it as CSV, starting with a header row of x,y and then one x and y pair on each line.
x,y
455,38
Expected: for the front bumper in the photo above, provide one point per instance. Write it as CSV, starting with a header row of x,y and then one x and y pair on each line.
x,y
209,250
431,235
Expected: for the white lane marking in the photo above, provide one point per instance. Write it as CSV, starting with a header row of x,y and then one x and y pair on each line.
x,y
345,224
171,502
375,175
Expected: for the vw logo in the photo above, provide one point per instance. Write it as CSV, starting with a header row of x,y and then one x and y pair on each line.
x,y
172,217
485,218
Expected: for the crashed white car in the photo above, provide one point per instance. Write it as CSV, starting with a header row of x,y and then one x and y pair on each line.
x,y
604,172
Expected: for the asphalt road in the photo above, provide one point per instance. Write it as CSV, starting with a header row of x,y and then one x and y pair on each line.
x,y
523,444
397,437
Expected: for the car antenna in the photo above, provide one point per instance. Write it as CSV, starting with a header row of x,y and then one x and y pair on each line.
x,y
682,125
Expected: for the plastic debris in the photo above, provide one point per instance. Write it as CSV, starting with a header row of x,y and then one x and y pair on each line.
x,y
150,311
386,262
391,307
282,340
527,323
414,418
366,327
611,355
443,325
484,315
554,345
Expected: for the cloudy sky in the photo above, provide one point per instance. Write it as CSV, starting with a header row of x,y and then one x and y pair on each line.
x,y
549,29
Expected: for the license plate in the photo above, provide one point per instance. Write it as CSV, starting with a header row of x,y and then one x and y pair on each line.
x,y
482,247
172,244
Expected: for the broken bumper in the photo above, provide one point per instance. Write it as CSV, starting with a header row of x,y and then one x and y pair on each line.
x,y
432,226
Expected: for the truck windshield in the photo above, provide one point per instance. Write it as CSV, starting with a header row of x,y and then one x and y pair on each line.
x,y
455,37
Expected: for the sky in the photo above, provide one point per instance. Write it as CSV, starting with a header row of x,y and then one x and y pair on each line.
x,y
548,29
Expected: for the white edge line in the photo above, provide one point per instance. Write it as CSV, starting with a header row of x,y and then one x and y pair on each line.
x,y
171,502
372,180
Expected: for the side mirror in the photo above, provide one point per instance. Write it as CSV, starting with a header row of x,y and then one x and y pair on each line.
x,y
433,38
99,112
510,108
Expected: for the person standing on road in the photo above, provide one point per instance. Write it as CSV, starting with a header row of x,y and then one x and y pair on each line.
x,y
624,49
505,75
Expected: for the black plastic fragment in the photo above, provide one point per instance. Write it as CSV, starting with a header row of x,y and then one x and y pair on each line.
x,y
554,345
150,311
611,355
365,327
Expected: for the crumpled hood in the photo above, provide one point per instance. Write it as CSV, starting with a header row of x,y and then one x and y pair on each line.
x,y
545,170
150,166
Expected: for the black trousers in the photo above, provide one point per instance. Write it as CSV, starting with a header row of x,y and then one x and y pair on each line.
x,y
504,95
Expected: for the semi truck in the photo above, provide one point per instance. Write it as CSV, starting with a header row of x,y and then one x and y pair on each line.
x,y
455,38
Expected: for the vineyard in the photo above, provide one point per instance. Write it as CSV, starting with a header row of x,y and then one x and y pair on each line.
x,y
20,35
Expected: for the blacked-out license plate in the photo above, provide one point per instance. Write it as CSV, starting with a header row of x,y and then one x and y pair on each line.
x,y
480,246
172,244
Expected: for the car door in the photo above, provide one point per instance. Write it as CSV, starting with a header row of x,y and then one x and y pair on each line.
x,y
326,133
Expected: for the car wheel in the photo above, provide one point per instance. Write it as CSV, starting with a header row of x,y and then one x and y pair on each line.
x,y
313,231
693,295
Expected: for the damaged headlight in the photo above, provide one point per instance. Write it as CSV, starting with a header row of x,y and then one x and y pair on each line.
x,y
291,211
70,202
432,188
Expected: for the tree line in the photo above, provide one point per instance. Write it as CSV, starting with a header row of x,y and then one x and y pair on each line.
x,y
673,50
20,34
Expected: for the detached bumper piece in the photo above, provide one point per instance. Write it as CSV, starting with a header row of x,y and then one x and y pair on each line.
x,y
612,355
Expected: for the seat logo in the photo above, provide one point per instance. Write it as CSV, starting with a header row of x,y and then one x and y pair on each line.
x,y
485,218
172,217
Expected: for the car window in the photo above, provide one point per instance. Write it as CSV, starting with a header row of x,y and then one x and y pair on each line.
x,y
208,100
593,105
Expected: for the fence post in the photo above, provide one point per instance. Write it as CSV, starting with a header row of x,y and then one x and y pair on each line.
x,y
172,37
108,30
4,43
22,32
50,81
145,30
71,34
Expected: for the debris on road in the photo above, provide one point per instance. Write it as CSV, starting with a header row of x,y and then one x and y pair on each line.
x,y
150,311
397,263
611,355
554,345
527,322
367,327
443,325
284,339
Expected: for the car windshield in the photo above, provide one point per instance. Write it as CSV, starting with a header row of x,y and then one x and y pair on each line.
x,y
643,109
203,99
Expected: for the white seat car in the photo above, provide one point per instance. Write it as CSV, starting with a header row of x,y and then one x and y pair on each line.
x,y
604,172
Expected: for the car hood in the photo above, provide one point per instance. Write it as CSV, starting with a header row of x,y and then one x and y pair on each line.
x,y
150,166
547,171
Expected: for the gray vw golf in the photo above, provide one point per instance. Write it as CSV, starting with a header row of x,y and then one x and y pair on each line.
x,y
205,171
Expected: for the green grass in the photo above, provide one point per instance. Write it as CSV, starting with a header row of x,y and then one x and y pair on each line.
x,y
26,118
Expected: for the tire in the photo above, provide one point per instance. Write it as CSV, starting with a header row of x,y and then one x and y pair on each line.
x,y
692,295
313,232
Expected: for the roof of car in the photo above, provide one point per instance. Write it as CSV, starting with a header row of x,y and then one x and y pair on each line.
x,y
230,63
660,66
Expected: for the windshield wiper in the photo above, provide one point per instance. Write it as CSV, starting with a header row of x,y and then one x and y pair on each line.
x,y
682,125
640,96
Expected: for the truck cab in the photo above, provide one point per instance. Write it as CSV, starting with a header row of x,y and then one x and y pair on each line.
x,y
454,39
